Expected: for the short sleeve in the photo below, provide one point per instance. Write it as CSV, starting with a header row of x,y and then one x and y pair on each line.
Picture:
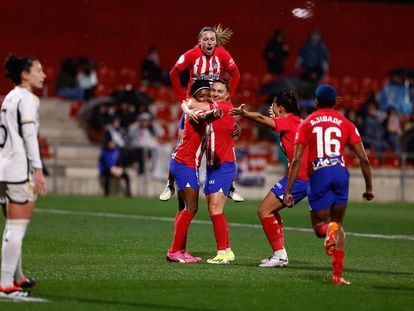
x,y
300,137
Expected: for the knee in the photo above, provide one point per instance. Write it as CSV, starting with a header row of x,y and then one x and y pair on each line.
x,y
320,229
193,210
261,213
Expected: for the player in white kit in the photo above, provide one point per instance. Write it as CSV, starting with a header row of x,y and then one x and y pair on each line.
x,y
21,174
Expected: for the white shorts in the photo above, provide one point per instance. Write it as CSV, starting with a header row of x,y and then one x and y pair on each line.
x,y
18,193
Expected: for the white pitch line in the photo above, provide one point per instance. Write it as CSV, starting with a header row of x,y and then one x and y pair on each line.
x,y
204,222
21,299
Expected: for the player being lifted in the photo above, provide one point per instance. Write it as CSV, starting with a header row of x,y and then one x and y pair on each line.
x,y
208,60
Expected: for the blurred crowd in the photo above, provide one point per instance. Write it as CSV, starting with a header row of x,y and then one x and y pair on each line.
x,y
124,118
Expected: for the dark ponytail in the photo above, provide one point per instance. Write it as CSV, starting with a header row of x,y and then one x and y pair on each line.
x,y
14,66
289,101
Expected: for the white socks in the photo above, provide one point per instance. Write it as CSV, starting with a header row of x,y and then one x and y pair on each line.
x,y
11,251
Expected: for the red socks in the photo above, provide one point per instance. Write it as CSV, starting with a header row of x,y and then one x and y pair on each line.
x,y
184,244
221,231
338,262
274,232
181,226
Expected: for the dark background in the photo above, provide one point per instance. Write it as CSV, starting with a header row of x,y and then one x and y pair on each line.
x,y
364,38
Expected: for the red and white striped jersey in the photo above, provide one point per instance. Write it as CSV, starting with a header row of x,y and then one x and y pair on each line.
x,y
202,67
190,150
219,137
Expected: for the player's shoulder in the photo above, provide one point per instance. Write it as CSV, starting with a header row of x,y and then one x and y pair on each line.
x,y
188,56
195,51
219,51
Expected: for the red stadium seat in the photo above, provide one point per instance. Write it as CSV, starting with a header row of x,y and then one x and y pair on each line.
x,y
163,111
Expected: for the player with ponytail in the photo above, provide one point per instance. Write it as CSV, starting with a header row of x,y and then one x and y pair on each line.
x,y
21,173
285,119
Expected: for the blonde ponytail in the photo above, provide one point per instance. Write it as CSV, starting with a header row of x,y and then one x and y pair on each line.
x,y
223,35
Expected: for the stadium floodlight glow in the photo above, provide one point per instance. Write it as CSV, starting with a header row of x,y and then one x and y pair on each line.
x,y
305,12
302,13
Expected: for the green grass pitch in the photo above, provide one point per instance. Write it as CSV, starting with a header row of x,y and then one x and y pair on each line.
x,y
93,253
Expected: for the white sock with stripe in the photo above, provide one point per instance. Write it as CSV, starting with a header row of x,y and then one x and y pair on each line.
x,y
13,235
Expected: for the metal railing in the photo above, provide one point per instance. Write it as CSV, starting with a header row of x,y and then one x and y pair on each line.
x,y
404,172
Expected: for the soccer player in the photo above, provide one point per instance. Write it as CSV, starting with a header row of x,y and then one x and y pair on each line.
x,y
208,60
184,164
326,132
21,174
285,119
221,169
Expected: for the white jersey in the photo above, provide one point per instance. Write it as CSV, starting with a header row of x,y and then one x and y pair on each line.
x,y
19,148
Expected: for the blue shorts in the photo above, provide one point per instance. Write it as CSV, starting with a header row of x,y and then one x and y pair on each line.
x,y
328,186
299,189
219,178
185,177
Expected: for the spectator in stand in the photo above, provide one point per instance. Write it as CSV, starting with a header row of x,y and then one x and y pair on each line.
x,y
313,55
408,139
410,77
373,137
393,130
67,85
126,113
110,166
119,135
151,71
144,140
101,116
87,78
362,111
396,93
275,53
307,83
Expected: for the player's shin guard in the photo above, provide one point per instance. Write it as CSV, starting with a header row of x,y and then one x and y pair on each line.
x,y
338,263
181,225
184,244
220,227
14,232
274,232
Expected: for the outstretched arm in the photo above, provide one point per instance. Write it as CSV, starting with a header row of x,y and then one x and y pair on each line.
x,y
253,116
200,110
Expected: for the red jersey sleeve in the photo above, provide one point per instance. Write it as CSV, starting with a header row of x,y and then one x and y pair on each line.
x,y
182,64
235,78
300,137
354,137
